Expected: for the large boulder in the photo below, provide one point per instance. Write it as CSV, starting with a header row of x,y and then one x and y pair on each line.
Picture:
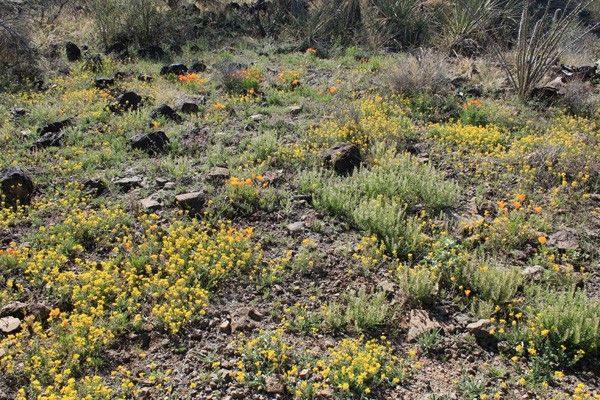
x,y
73,52
16,185
152,143
343,157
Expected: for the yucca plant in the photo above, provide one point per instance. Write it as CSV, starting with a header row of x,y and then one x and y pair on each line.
x,y
540,46
461,20
405,21
313,25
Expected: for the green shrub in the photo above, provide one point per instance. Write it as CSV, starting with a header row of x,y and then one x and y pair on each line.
x,y
363,311
379,199
420,283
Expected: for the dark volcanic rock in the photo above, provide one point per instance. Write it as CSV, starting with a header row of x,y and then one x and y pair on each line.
x,y
152,143
40,311
50,139
145,78
116,48
94,63
73,52
175,69
56,126
95,187
197,66
187,108
176,49
16,185
152,52
166,112
103,83
127,101
18,112
343,157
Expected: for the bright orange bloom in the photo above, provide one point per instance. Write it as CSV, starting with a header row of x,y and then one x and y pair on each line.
x,y
517,204
104,95
501,204
332,89
537,209
521,197
542,239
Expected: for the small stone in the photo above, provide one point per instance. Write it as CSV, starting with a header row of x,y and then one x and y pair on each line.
x,y
534,272
419,323
150,204
295,228
128,183
13,309
387,286
462,319
255,315
127,101
274,384
242,320
217,174
40,311
193,201
343,157
481,328
197,66
175,69
564,240
294,110
56,126
16,185
225,326
50,139
152,143
9,325
18,112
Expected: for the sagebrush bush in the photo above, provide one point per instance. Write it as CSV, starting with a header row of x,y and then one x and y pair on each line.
x,y
420,71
